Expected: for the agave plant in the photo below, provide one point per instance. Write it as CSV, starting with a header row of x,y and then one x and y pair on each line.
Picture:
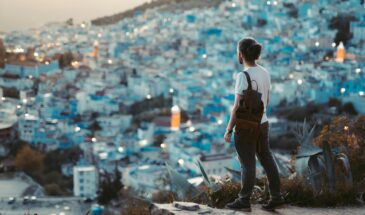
x,y
213,186
188,190
181,183
236,175
316,164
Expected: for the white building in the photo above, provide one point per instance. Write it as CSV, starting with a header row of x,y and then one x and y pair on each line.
x,y
147,177
28,126
215,164
85,181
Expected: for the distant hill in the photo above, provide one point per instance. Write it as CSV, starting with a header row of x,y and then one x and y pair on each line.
x,y
171,5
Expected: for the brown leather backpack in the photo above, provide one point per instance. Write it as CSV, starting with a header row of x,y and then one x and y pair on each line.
x,y
250,109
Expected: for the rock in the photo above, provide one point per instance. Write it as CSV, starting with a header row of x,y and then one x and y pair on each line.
x,y
188,206
182,208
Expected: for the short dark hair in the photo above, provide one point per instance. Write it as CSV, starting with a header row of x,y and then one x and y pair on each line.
x,y
250,49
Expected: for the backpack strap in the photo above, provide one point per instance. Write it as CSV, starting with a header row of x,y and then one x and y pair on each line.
x,y
248,80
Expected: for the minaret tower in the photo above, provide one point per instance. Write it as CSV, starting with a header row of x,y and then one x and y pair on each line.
x,y
175,113
340,54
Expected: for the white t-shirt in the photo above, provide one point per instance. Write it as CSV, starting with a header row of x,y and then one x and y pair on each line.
x,y
259,78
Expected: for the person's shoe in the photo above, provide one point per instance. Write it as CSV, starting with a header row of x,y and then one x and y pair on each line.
x,y
239,205
263,200
273,204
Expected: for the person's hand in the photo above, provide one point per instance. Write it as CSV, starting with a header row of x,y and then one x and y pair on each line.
x,y
227,137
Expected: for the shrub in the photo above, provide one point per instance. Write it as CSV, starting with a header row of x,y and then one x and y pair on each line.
x,y
29,160
298,193
53,189
164,196
135,206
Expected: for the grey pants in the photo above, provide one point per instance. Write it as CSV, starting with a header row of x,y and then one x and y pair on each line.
x,y
248,145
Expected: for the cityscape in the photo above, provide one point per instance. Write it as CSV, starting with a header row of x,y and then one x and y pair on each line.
x,y
97,114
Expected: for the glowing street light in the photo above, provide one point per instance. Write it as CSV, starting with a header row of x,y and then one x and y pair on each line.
x,y
316,44
268,2
93,139
181,162
148,96
346,128
163,145
343,90
357,70
171,90
361,93
77,129
300,81
333,44
291,76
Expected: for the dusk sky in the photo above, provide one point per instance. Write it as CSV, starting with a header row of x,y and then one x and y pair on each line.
x,y
23,14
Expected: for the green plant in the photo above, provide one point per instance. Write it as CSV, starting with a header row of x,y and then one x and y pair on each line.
x,y
318,162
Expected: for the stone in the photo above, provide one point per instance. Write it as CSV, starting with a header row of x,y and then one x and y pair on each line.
x,y
188,206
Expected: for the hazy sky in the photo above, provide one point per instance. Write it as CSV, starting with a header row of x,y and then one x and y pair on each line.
x,y
23,14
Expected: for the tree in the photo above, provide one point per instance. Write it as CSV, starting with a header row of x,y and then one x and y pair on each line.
x,y
29,160
341,22
110,188
359,129
335,133
2,54
117,180
66,59
95,126
333,102
30,54
107,191
17,146
159,139
53,160
349,108
53,189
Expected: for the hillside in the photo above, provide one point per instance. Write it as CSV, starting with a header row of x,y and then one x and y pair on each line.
x,y
171,5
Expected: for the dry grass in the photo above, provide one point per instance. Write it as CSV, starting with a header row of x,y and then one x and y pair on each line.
x,y
297,193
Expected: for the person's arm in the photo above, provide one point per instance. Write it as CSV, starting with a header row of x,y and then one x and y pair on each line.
x,y
240,85
232,119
